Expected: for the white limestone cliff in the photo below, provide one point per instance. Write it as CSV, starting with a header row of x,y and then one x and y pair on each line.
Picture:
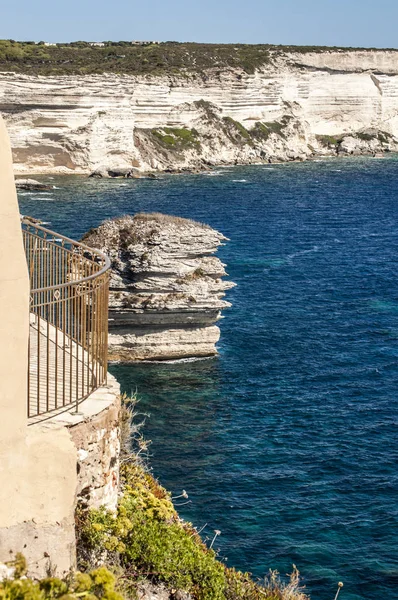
x,y
83,123
166,286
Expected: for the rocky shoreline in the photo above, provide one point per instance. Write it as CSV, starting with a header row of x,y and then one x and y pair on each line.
x,y
344,147
376,152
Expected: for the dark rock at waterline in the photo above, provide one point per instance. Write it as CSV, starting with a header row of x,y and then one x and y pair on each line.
x,y
127,172
32,185
123,172
99,174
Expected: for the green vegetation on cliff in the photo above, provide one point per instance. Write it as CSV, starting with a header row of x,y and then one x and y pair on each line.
x,y
329,140
366,136
148,540
382,136
179,138
99,584
145,542
123,57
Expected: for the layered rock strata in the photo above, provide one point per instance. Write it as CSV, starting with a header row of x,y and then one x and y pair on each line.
x,y
297,105
166,286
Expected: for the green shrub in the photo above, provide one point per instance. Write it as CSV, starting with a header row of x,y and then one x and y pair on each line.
x,y
148,539
260,131
383,137
329,140
178,138
240,586
209,109
236,128
99,584
366,137
172,556
275,127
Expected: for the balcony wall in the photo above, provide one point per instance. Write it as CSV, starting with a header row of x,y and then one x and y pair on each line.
x,y
45,468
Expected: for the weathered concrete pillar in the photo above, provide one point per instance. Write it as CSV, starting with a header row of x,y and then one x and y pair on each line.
x,y
14,305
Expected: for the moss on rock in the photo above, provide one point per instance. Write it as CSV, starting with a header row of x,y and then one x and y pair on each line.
x,y
175,137
329,140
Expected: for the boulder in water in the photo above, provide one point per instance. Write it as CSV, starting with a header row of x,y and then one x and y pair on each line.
x,y
32,185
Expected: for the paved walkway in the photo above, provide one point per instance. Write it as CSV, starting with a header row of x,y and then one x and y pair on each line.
x,y
59,370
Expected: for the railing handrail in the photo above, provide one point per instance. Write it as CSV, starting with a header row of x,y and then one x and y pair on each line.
x,y
68,350
106,260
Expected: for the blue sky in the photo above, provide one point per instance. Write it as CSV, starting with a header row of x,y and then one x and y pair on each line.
x,y
305,22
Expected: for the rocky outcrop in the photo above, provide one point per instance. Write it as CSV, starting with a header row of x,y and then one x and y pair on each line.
x,y
122,172
32,184
282,111
150,591
166,286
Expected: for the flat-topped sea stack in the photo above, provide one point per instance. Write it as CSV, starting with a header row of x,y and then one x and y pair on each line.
x,y
166,286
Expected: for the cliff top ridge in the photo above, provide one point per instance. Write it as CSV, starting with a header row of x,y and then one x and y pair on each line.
x,y
151,58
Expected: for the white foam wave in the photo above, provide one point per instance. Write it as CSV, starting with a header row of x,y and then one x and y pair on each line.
x,y
180,360
302,252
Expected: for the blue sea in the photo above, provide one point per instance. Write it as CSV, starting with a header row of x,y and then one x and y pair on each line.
x,y
286,442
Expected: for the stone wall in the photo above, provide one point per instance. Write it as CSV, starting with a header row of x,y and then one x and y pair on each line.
x,y
97,439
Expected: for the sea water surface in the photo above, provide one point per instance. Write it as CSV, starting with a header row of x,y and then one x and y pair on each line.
x,y
287,442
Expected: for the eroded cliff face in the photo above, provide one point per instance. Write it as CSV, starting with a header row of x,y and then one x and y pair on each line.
x,y
166,286
298,105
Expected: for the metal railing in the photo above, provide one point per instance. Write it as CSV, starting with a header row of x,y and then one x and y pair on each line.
x,y
68,341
